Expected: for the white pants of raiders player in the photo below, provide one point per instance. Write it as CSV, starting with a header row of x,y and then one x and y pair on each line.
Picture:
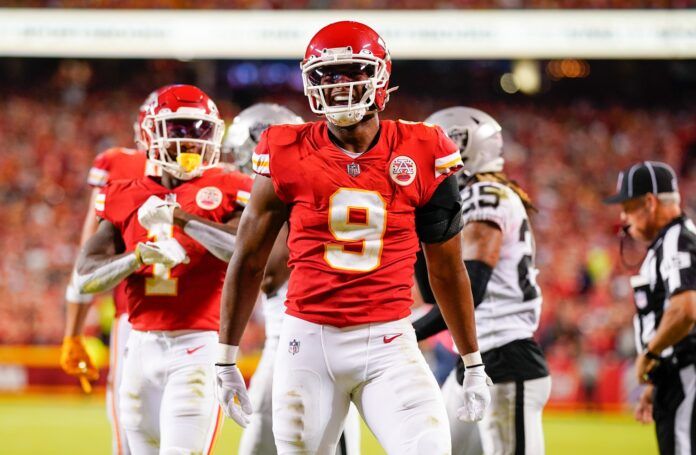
x,y
320,369
503,426
257,438
167,398
120,330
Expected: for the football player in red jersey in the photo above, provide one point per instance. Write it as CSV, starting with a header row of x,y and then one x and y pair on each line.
x,y
169,237
118,163
360,195
242,138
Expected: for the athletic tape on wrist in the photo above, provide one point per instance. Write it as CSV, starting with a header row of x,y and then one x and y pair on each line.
x,y
227,354
215,240
472,359
108,275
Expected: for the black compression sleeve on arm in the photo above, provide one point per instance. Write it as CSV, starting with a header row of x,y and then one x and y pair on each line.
x,y
433,322
479,274
421,272
440,219
430,324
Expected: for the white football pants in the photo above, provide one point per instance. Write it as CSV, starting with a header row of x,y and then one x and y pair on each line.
x,y
320,369
513,417
168,404
117,347
257,438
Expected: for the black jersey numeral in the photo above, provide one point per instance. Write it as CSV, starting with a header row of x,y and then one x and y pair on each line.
x,y
481,196
526,279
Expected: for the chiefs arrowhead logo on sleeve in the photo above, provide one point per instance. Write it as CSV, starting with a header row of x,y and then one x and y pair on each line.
x,y
402,170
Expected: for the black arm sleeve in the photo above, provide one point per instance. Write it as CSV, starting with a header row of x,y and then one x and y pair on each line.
x,y
479,274
441,218
433,322
430,324
421,272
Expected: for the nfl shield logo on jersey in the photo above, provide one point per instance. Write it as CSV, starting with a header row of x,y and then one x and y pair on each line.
x,y
402,170
353,169
294,347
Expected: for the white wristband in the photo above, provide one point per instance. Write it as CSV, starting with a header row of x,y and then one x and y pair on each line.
x,y
227,353
473,358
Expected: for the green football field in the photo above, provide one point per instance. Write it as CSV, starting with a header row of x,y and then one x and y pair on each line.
x,y
49,424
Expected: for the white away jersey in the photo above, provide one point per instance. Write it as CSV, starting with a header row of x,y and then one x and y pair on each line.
x,y
511,307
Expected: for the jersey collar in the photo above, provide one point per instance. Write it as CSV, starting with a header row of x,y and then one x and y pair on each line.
x,y
677,220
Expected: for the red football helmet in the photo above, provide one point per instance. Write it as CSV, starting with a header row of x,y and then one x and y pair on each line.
x,y
345,55
139,136
182,130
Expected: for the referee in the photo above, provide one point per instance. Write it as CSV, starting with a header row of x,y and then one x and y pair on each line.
x,y
665,300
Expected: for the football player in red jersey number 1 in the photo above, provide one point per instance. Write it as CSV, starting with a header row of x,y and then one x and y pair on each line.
x,y
170,237
359,195
117,163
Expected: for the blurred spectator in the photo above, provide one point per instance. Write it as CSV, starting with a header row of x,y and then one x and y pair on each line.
x,y
565,155
349,4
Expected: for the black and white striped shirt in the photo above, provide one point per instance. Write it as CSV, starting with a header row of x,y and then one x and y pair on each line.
x,y
668,269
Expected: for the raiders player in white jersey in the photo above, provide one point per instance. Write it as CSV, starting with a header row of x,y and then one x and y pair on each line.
x,y
665,300
241,139
498,248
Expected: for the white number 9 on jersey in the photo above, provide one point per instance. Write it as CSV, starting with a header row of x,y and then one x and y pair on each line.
x,y
357,219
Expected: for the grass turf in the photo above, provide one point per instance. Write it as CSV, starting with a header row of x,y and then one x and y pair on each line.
x,y
50,424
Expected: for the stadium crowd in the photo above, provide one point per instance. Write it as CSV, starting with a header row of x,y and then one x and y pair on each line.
x,y
566,156
351,4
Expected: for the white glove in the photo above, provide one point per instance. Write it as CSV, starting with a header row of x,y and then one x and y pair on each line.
x,y
167,252
476,395
229,384
156,211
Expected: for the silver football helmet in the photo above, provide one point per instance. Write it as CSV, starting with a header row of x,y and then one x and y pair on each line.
x,y
245,131
477,135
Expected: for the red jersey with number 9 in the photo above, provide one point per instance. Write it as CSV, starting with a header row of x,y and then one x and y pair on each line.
x,y
186,296
352,233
